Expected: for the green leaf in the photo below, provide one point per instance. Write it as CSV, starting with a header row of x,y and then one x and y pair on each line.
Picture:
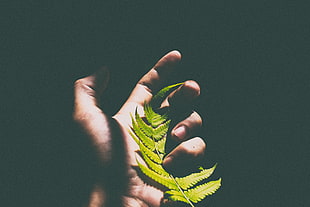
x,y
147,141
152,117
194,178
158,168
151,135
176,195
145,151
195,194
147,129
150,131
161,95
200,192
160,145
161,130
161,179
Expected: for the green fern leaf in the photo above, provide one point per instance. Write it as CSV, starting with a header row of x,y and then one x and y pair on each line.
x,y
161,95
176,195
160,145
158,168
147,141
158,158
161,179
200,192
152,117
161,130
145,128
156,133
195,194
151,134
194,178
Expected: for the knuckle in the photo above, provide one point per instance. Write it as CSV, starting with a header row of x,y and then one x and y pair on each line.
x,y
78,83
187,149
84,85
194,147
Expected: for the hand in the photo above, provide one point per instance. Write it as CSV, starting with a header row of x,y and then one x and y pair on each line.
x,y
119,180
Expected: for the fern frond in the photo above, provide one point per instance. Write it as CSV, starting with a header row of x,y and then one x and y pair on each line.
x,y
150,131
147,129
152,117
195,194
161,95
151,135
176,195
200,192
160,145
161,130
158,168
147,141
161,179
192,179
158,158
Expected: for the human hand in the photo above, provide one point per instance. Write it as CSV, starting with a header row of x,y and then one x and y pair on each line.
x,y
119,183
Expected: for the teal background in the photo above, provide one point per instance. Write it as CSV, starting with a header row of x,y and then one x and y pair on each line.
x,y
251,59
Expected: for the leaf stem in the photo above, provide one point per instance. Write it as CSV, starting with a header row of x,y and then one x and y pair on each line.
x,y
180,189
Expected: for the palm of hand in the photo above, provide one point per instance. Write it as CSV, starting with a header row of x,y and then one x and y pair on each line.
x,y
115,146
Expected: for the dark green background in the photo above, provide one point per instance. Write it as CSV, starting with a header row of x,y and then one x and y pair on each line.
x,y
251,59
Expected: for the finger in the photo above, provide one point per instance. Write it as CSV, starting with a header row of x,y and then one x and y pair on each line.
x,y
184,96
150,83
87,90
186,156
186,128
154,79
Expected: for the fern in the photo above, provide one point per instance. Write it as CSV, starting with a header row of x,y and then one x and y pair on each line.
x,y
150,134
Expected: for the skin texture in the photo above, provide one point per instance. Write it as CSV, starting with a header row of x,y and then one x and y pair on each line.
x,y
119,183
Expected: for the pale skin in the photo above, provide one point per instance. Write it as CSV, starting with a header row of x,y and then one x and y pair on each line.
x,y
115,147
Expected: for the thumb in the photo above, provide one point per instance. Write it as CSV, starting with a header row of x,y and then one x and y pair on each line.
x,y
88,90
87,113
105,135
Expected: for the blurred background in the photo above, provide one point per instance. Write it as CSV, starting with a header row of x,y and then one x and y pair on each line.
x,y
251,59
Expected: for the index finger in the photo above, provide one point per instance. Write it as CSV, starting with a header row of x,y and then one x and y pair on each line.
x,y
153,80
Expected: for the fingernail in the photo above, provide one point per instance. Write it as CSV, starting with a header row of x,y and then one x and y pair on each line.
x,y
180,132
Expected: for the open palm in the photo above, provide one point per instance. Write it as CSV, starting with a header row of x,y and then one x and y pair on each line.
x,y
120,184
